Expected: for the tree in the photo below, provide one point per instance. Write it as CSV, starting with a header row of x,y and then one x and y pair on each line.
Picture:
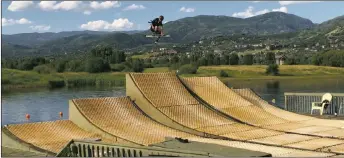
x,y
184,60
210,58
26,65
138,65
188,69
233,59
224,60
95,65
223,73
272,69
217,60
174,59
203,61
248,59
270,58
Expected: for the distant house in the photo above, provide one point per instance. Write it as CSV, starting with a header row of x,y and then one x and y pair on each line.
x,y
217,51
172,51
280,59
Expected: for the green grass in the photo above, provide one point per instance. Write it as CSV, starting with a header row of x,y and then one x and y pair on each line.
x,y
12,79
157,69
258,71
142,56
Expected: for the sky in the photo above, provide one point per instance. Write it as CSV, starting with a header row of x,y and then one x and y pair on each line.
x,y
57,16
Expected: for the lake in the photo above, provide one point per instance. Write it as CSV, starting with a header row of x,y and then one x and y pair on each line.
x,y
45,105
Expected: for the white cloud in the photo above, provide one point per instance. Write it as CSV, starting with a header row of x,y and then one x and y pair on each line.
x,y
295,2
8,22
64,5
256,1
134,7
47,5
87,12
187,10
68,5
19,5
282,9
249,12
104,5
40,27
84,7
23,21
117,24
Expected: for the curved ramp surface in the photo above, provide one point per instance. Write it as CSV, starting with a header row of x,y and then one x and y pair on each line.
x,y
322,127
50,136
166,93
119,117
215,93
130,123
224,99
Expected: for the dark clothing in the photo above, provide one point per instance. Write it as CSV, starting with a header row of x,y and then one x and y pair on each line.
x,y
156,22
157,31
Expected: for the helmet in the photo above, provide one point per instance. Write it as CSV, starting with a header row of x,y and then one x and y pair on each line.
x,y
161,17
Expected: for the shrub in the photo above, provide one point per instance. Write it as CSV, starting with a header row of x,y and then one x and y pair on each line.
x,y
43,69
223,73
138,65
248,59
272,69
117,67
61,66
96,65
188,69
233,59
25,65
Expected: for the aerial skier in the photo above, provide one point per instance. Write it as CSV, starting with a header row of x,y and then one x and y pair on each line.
x,y
157,28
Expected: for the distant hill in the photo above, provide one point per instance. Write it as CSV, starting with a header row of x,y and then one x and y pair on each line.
x,y
33,39
184,30
195,28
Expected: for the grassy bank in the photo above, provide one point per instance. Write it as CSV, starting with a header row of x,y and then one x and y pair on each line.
x,y
12,79
16,79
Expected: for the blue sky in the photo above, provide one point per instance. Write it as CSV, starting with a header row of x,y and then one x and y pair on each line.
x,y
57,16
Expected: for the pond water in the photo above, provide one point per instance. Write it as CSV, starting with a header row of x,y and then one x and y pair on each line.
x,y
45,105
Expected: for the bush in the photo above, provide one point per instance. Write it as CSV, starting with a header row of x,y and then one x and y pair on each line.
x,y
25,65
248,59
43,69
96,65
56,84
174,66
188,69
223,73
74,65
61,66
138,65
233,59
117,67
272,69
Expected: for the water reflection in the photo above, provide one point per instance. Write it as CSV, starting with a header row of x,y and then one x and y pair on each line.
x,y
45,105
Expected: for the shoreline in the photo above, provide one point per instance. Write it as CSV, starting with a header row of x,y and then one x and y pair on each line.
x,y
17,80
19,88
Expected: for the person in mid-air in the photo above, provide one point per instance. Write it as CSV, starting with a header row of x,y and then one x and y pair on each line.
x,y
156,25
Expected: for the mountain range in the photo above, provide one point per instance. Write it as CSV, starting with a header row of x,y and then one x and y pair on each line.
x,y
184,30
